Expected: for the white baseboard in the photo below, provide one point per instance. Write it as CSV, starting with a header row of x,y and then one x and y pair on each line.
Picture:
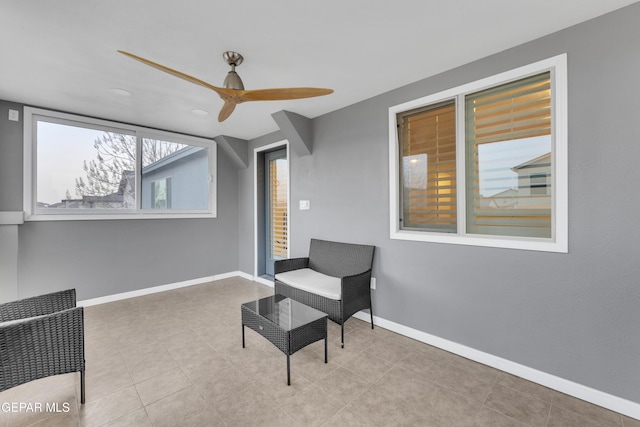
x,y
600,398
264,281
614,403
161,288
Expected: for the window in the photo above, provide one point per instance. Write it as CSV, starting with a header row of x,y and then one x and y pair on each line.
x,y
161,194
428,168
484,163
81,168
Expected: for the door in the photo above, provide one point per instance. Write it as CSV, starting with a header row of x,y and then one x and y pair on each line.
x,y
276,213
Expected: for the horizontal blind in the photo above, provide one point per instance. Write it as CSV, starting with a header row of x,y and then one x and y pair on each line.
x,y
427,138
508,146
278,208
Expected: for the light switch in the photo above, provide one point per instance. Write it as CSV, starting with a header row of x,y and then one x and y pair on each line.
x,y
14,115
305,205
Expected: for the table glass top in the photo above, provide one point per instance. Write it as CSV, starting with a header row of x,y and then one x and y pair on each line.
x,y
284,312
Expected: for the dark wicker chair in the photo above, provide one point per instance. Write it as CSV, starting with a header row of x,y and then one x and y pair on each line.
x,y
40,337
351,263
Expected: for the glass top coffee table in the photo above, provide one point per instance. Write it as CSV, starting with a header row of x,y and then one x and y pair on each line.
x,y
287,324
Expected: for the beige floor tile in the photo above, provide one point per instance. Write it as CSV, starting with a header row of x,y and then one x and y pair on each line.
x,y
309,364
347,418
137,418
360,338
43,403
253,361
162,386
337,354
275,386
369,367
261,415
470,381
109,408
180,353
527,387
344,385
194,353
217,386
421,364
99,386
380,408
174,409
441,357
589,410
519,406
4,416
406,386
560,417
236,402
209,417
108,361
489,418
312,407
60,420
451,407
630,422
387,349
148,363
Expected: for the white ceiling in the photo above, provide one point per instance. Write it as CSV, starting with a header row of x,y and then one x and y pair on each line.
x,y
62,54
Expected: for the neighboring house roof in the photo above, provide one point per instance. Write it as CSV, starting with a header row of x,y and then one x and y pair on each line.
x,y
173,157
540,161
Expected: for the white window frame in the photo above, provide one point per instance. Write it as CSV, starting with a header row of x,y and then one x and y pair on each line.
x,y
558,242
32,213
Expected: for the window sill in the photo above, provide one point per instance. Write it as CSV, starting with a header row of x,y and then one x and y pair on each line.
x,y
530,244
120,216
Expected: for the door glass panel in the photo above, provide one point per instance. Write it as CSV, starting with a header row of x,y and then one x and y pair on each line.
x,y
279,222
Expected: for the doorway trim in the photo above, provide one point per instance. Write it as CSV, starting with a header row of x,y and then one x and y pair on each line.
x,y
269,147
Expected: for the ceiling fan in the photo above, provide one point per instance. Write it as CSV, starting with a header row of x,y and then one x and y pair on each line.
x,y
233,92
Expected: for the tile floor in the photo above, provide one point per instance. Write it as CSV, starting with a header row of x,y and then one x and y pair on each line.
x,y
175,359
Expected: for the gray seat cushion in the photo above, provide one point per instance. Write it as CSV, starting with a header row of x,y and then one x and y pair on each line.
x,y
312,281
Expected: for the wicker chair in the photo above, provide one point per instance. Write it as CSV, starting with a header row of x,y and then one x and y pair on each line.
x,y
41,336
350,263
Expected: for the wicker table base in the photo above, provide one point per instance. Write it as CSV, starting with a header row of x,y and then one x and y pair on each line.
x,y
287,324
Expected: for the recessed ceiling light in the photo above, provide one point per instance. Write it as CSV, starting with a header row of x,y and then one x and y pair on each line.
x,y
120,92
199,112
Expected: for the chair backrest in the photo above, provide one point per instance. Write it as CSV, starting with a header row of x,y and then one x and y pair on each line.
x,y
340,259
38,305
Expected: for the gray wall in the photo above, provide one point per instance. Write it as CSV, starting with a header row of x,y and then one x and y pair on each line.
x,y
572,315
101,258
10,158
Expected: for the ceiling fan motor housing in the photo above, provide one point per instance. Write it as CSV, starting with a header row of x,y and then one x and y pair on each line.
x,y
233,81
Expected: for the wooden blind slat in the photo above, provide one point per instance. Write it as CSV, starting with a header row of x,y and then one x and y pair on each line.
x,y
516,111
427,138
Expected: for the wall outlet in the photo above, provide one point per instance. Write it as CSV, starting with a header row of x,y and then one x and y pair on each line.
x,y
373,283
305,205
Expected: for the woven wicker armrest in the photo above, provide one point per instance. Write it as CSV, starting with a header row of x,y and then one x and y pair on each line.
x,y
356,282
284,265
38,306
46,345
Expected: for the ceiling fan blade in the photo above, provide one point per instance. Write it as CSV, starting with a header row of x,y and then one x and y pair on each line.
x,y
221,91
282,93
226,110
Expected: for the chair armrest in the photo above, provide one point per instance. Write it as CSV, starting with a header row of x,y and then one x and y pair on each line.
x,y
46,345
284,265
38,306
357,283
356,293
